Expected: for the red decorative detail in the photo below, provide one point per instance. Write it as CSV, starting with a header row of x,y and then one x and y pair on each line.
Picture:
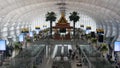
x,y
62,24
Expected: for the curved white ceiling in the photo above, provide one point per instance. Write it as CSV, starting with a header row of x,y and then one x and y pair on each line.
x,y
12,10
23,12
15,12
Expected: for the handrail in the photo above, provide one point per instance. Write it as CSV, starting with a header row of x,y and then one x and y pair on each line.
x,y
30,60
117,34
90,65
34,58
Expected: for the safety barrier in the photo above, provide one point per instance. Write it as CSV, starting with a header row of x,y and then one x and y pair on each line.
x,y
28,58
92,58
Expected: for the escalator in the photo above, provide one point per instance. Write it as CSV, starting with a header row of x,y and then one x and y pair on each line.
x,y
58,51
59,63
65,50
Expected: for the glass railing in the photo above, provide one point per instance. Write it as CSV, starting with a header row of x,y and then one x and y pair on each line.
x,y
94,58
28,57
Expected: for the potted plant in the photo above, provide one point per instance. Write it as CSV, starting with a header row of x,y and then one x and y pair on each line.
x,y
104,48
51,16
17,46
74,16
94,40
28,39
88,36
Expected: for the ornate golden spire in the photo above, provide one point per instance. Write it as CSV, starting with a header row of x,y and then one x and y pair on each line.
x,y
62,19
63,14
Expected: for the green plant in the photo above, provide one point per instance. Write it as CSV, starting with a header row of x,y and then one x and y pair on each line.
x,y
74,17
17,45
88,36
104,47
94,40
28,39
35,36
51,16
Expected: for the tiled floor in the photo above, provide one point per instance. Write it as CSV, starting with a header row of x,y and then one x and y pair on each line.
x,y
74,65
47,63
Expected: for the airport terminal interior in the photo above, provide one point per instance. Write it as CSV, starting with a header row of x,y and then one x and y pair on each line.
x,y
59,33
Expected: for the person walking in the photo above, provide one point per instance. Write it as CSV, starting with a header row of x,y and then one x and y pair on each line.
x,y
70,53
73,55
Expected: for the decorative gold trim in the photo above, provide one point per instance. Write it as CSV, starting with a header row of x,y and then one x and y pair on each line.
x,y
62,19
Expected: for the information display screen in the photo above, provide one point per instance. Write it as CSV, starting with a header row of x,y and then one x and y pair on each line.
x,y
21,37
88,31
117,46
2,45
37,31
31,34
